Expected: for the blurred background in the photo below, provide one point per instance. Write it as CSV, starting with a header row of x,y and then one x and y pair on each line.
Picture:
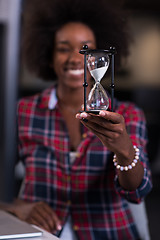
x,y
138,80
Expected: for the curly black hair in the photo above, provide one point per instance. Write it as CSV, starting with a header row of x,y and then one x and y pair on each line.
x,y
41,20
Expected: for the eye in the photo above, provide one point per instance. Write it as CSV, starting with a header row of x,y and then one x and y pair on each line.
x,y
62,49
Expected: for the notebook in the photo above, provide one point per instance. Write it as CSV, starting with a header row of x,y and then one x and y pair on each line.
x,y
13,228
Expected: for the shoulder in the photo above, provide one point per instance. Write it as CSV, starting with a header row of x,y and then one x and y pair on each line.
x,y
39,100
26,104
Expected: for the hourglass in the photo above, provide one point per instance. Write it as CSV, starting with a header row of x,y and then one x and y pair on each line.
x,y
97,62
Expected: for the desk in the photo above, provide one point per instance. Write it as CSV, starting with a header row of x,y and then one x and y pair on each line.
x,y
13,228
46,236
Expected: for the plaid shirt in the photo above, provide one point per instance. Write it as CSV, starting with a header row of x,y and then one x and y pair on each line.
x,y
88,189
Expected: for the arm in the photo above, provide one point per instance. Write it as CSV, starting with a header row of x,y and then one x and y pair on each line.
x,y
110,128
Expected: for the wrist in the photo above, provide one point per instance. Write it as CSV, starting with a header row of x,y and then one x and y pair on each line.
x,y
129,165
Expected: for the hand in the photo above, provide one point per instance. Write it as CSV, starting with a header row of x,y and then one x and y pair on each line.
x,y
110,128
38,213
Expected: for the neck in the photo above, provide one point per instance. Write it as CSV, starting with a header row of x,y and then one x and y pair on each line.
x,y
72,97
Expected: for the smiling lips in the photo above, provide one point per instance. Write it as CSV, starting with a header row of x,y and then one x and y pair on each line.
x,y
76,72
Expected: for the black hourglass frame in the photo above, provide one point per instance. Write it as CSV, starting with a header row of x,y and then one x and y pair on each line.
x,y
111,52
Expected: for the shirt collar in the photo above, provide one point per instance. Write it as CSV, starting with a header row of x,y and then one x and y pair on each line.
x,y
48,98
52,99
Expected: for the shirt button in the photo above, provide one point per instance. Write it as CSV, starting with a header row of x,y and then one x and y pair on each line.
x,y
84,135
69,203
75,227
69,178
78,154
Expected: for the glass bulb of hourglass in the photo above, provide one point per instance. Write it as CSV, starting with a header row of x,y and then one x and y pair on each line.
x,y
97,98
97,63
98,73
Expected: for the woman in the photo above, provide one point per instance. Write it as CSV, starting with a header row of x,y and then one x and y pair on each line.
x,y
81,169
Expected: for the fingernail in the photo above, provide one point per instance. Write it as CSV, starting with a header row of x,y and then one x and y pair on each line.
x,y
84,120
102,114
59,227
83,114
78,116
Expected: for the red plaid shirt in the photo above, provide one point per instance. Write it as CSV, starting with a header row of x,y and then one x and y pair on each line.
x,y
88,189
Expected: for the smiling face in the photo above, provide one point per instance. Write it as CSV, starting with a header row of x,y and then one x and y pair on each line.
x,y
68,63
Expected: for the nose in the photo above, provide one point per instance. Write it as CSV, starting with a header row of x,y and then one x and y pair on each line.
x,y
75,57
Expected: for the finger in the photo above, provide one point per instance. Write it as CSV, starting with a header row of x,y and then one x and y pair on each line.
x,y
82,115
85,117
39,221
100,132
48,214
41,216
53,218
101,125
41,210
34,222
57,223
111,116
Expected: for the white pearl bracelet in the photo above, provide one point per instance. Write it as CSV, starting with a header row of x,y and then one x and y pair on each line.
x,y
130,166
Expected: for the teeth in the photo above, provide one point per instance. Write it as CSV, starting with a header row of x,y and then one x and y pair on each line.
x,y
77,71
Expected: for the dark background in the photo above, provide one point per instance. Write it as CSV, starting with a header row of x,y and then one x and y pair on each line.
x,y
138,80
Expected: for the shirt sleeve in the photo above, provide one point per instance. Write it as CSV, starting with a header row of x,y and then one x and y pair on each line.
x,y
138,195
137,130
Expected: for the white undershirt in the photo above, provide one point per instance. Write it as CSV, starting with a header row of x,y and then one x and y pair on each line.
x,y
67,232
